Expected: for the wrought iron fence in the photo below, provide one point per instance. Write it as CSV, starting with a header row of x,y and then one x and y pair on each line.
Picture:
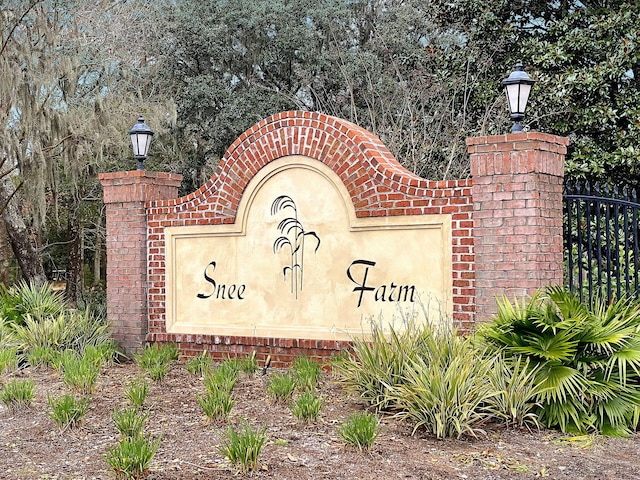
x,y
601,245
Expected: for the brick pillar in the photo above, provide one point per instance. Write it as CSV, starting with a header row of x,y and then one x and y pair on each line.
x,y
517,215
125,196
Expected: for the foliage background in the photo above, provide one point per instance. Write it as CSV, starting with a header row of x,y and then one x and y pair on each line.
x,y
422,75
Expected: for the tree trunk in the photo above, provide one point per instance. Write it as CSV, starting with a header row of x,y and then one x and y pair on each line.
x,y
23,242
5,256
75,273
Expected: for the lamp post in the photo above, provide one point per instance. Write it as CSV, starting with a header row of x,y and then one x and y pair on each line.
x,y
141,136
518,86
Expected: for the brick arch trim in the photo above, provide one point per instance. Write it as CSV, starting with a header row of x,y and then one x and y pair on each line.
x,y
360,159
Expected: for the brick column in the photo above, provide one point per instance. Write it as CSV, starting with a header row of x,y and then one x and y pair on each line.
x,y
125,196
517,215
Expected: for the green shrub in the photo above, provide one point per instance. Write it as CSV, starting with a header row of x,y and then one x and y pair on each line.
x,y
18,393
216,403
137,392
80,374
199,364
67,411
41,356
242,447
8,360
377,362
38,301
442,390
516,389
249,365
359,430
587,359
131,457
129,421
307,407
306,373
156,359
69,330
223,378
281,386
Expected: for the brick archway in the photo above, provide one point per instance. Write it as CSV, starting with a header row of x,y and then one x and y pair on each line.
x,y
511,175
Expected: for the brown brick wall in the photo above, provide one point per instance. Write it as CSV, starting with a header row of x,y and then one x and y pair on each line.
x,y
517,203
125,196
506,223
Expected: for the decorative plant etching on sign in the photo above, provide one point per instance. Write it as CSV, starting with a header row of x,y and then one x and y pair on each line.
x,y
294,237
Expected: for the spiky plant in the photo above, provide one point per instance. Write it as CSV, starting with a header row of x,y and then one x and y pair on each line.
x,y
242,445
587,358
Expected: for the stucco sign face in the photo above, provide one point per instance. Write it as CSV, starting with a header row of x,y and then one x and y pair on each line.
x,y
298,263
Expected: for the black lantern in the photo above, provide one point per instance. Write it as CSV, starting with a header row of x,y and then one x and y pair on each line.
x,y
518,87
141,136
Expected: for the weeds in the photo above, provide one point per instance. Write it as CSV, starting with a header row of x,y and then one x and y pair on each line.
x,y
18,394
359,430
243,446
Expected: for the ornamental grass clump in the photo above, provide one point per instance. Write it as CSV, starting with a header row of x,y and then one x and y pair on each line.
x,y
81,374
131,457
586,358
281,386
129,421
216,403
222,378
249,365
443,389
378,360
199,364
18,394
306,373
307,407
157,359
242,446
8,360
137,392
360,430
67,411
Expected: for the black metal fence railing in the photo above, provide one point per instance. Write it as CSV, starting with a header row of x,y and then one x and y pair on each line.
x,y
601,244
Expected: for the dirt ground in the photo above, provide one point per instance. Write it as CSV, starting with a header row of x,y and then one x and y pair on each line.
x,y
32,447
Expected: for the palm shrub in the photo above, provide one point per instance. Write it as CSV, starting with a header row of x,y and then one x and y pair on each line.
x,y
26,298
377,363
587,358
443,389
